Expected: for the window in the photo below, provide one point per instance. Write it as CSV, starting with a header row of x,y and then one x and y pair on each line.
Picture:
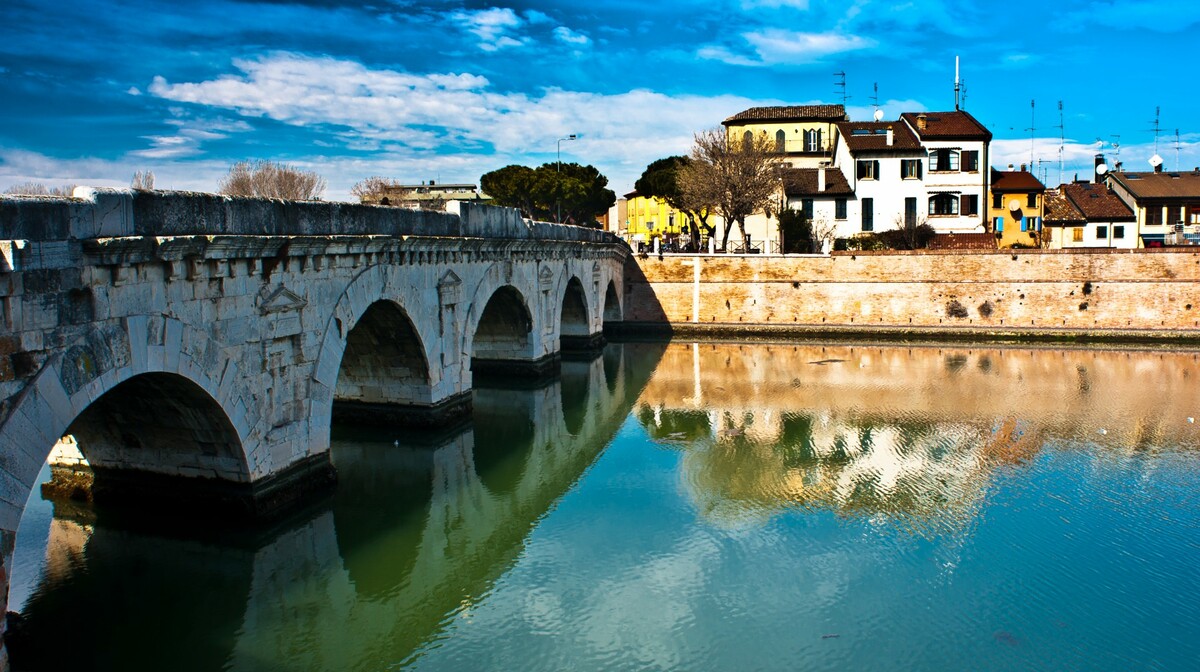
x,y
868,170
839,208
943,160
910,211
1153,215
806,206
997,201
812,140
970,161
1174,215
780,140
1031,201
942,205
969,205
999,225
910,169
1077,234
1193,214
1118,232
868,214
1101,232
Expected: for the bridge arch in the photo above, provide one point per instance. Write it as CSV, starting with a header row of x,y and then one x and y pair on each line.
x,y
157,369
612,304
575,320
502,337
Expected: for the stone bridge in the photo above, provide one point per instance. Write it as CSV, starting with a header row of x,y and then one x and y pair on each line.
x,y
197,347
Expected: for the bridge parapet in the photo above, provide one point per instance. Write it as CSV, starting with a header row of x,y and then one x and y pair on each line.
x,y
113,213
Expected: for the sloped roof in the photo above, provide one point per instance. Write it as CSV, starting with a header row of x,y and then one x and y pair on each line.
x,y
871,136
1096,202
1161,185
803,182
790,113
956,125
1059,210
963,241
1015,181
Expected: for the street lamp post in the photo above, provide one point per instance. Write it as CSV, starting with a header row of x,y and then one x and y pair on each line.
x,y
558,169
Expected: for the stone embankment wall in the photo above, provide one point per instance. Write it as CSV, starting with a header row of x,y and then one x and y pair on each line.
x,y
1012,294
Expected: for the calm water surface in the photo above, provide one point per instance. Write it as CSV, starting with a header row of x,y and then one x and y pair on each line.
x,y
692,506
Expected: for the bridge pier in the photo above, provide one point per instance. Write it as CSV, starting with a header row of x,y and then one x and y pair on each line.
x,y
448,412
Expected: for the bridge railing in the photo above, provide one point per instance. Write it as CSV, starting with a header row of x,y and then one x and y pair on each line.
x,y
111,213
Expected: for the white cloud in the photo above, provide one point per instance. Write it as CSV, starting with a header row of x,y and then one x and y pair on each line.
x,y
427,117
492,26
568,36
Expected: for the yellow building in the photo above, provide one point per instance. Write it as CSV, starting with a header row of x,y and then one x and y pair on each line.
x,y
647,218
1017,207
803,134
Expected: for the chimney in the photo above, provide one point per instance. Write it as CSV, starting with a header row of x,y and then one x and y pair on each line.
x,y
921,122
1158,168
1098,174
1023,170
890,136
821,179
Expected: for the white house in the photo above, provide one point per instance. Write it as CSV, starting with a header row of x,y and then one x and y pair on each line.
x,y
885,166
824,195
956,169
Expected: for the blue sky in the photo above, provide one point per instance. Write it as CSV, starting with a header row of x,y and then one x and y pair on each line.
x,y
92,92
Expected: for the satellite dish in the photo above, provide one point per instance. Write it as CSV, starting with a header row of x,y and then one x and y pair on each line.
x,y
1014,205
1156,161
878,115
1101,169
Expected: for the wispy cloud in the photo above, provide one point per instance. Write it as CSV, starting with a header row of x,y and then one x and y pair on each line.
x,y
568,36
775,46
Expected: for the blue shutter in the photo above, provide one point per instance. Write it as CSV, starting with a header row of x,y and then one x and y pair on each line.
x,y
999,224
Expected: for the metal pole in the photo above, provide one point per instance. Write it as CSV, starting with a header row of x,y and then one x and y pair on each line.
x,y
557,170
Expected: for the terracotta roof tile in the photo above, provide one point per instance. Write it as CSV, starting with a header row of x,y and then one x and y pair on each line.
x,y
1015,180
803,182
1161,185
790,113
871,136
963,241
1059,210
1096,202
957,125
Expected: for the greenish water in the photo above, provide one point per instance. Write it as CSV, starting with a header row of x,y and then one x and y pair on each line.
x,y
693,506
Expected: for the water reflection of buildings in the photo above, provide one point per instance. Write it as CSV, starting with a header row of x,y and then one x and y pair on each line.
x,y
911,432
415,533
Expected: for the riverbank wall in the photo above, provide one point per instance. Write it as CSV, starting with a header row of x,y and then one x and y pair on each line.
x,y
1048,295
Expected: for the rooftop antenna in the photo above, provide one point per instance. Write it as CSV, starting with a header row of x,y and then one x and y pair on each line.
x,y
1031,129
1062,141
875,97
1156,130
1116,145
839,86
963,95
1177,150
957,86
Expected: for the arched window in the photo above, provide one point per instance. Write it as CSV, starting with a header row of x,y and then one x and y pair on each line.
x,y
747,140
780,141
943,205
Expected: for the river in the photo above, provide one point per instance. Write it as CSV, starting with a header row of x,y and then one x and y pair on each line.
x,y
690,506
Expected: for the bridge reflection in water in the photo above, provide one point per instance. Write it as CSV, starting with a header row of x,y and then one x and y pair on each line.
x,y
420,526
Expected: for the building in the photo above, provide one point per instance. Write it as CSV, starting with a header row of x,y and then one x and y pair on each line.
x,y
1166,206
804,135
431,196
650,217
1107,221
823,195
1016,208
884,163
956,179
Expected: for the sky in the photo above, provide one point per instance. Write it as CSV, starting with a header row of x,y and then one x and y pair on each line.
x,y
91,92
